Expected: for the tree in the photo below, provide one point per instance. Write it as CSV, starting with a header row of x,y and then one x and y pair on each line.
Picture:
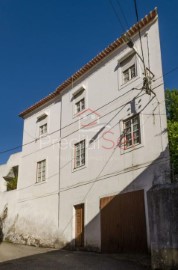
x,y
12,184
172,119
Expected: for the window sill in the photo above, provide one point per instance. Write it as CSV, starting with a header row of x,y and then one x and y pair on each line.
x,y
40,183
131,148
79,168
79,113
43,135
129,82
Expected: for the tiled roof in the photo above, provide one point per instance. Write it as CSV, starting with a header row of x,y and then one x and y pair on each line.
x,y
116,44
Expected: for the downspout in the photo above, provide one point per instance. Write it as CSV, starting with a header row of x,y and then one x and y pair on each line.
x,y
60,135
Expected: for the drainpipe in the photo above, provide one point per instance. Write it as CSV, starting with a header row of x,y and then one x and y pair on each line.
x,y
60,134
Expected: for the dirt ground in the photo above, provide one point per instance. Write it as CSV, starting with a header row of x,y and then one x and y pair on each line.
x,y
18,257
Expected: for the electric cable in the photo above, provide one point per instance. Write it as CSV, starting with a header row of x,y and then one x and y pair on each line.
x,y
117,16
123,14
22,145
136,12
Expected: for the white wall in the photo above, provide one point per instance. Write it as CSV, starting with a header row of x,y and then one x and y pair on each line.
x,y
111,171
3,185
46,211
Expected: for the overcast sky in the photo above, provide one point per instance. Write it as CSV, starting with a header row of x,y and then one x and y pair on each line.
x,y
42,42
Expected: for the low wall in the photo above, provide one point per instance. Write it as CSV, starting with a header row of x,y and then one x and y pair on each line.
x,y
8,204
33,223
163,221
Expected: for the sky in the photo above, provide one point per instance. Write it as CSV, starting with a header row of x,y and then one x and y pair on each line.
x,y
43,42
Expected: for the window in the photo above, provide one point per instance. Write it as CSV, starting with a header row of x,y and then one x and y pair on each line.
x,y
43,129
132,131
128,68
129,73
42,124
41,171
79,154
79,100
80,105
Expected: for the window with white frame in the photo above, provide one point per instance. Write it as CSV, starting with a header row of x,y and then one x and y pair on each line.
x,y
42,124
128,69
41,171
43,129
80,105
132,131
79,100
79,154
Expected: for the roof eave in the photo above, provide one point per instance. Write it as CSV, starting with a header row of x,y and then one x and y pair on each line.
x,y
102,55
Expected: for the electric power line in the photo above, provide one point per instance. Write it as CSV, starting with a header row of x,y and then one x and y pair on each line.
x,y
123,14
19,146
136,12
95,138
117,15
22,145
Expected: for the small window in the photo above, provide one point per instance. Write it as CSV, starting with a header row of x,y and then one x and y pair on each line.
x,y
79,154
43,129
42,125
41,171
132,131
129,73
128,69
80,105
79,100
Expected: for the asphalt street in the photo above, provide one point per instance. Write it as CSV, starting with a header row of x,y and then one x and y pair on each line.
x,y
19,257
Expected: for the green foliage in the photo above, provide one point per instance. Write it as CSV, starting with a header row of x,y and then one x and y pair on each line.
x,y
11,185
172,116
172,105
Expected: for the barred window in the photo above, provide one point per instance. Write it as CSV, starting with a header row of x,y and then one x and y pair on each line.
x,y
132,131
79,154
41,171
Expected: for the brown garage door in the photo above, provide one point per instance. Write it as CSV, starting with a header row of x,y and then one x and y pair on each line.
x,y
123,225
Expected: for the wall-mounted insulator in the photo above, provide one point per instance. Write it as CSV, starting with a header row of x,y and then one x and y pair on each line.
x,y
147,85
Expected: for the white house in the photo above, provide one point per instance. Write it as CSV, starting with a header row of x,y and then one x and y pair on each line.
x,y
91,151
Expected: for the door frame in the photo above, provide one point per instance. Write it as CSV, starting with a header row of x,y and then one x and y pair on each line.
x,y
79,206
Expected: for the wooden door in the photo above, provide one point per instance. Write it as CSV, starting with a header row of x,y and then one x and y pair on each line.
x,y
123,224
79,225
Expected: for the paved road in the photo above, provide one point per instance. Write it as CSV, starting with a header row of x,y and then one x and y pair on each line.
x,y
18,257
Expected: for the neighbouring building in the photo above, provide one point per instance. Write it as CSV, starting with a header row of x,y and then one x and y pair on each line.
x,y
91,151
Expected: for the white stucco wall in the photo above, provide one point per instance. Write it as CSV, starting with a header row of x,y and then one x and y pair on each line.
x,y
2,181
111,171
44,212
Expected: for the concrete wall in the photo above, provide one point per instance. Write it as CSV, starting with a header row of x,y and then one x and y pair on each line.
x,y
163,219
45,211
